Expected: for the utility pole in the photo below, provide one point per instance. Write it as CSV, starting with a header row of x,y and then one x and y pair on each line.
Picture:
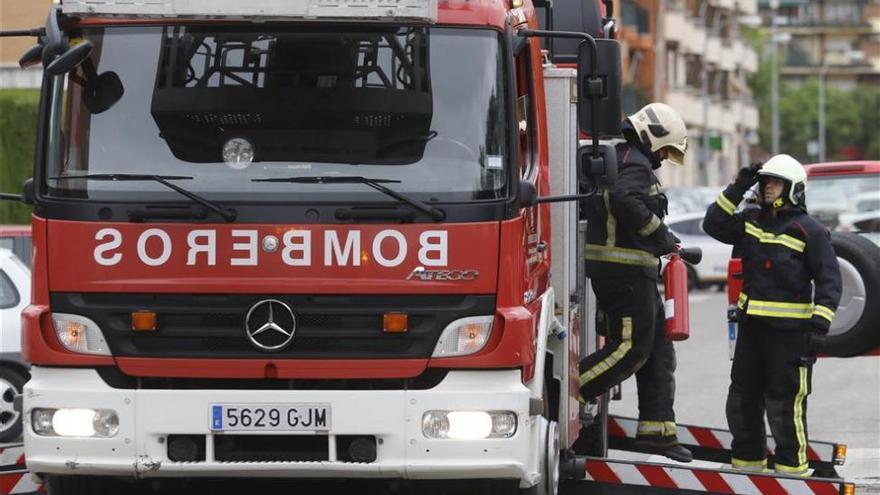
x,y
704,76
774,79
659,49
822,75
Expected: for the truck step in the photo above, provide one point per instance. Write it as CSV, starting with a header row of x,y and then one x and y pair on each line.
x,y
713,444
603,476
14,476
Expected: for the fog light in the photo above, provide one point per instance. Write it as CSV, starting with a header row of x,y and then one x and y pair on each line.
x,y
503,424
435,424
468,425
106,423
41,421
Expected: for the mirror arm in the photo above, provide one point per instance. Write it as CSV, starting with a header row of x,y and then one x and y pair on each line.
x,y
23,32
10,197
594,84
568,197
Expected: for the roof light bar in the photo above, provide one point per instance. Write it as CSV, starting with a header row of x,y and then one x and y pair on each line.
x,y
424,10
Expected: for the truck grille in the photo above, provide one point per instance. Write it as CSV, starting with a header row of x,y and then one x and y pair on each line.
x,y
327,327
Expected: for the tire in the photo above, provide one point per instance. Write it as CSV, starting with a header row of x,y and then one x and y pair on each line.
x,y
82,485
12,382
856,325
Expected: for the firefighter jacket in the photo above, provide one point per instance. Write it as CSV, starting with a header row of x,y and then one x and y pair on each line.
x,y
624,224
784,256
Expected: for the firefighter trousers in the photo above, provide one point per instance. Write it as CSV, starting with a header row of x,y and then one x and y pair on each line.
x,y
769,374
632,314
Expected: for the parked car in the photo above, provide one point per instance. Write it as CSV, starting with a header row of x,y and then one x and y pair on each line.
x,y
712,270
15,295
690,199
17,238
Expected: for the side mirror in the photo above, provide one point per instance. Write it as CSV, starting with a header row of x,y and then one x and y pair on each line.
x,y
601,169
27,192
70,59
102,92
528,195
31,57
599,103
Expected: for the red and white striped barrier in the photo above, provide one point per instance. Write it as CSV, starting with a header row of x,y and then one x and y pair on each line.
x,y
718,439
708,480
14,476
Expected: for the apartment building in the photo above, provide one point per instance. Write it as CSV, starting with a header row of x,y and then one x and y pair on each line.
x,y
19,14
839,39
703,68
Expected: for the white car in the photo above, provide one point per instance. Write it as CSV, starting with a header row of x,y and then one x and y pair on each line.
x,y
713,269
15,295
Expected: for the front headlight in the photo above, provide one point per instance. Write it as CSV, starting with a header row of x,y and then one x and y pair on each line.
x,y
80,334
103,423
468,425
465,336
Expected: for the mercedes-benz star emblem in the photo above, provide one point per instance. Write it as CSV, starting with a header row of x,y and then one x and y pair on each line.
x,y
270,325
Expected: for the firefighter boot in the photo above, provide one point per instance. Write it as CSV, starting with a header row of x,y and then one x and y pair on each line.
x,y
673,450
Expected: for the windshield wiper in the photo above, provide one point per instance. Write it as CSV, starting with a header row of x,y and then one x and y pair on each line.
x,y
228,214
435,213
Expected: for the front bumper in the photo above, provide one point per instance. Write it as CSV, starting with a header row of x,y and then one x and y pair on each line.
x,y
147,417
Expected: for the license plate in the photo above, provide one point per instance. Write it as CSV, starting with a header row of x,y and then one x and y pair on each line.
x,y
270,417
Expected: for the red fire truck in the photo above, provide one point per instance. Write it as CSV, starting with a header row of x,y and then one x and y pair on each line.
x,y
313,239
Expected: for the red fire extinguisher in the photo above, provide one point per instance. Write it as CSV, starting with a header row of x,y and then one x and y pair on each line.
x,y
675,278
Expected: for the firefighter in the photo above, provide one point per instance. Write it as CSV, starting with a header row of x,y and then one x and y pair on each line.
x,y
625,238
786,254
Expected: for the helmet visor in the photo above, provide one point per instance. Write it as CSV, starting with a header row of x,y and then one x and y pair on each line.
x,y
674,155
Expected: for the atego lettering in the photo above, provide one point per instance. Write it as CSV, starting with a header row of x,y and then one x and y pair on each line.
x,y
388,248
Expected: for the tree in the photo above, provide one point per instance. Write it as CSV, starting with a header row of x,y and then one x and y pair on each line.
x,y
852,117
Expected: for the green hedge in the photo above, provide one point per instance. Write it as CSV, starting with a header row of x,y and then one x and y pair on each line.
x,y
18,124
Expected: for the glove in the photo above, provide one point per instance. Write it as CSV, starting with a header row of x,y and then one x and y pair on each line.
x,y
666,243
815,344
747,176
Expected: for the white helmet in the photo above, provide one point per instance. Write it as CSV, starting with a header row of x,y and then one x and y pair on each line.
x,y
790,170
660,126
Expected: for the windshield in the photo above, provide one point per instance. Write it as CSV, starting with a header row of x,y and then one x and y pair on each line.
x,y
849,204
422,106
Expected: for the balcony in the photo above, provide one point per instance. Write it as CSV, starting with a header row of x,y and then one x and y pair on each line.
x,y
722,116
691,36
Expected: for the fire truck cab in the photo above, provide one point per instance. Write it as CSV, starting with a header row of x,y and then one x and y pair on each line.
x,y
304,240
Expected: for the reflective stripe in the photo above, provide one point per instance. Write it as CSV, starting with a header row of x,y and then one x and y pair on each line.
x,y
800,431
748,465
625,256
823,311
725,204
610,222
768,238
650,227
741,302
661,428
780,309
622,348
801,470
